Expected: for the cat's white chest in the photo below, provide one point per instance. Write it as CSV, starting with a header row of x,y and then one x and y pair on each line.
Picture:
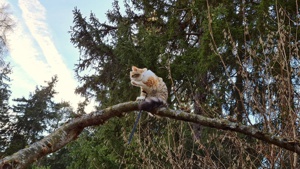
x,y
148,74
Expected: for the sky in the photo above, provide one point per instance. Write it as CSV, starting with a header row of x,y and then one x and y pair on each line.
x,y
40,47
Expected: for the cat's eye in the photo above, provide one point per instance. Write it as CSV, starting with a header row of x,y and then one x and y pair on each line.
x,y
135,75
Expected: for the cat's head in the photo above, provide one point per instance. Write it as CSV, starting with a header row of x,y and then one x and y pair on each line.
x,y
136,73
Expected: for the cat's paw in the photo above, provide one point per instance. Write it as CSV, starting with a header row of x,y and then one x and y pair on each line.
x,y
133,83
140,98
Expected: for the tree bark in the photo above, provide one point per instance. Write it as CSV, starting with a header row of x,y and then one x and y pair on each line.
x,y
71,129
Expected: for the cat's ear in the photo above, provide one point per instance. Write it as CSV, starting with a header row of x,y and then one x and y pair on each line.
x,y
134,68
145,69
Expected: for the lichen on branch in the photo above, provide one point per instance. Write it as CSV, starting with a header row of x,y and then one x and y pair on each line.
x,y
71,129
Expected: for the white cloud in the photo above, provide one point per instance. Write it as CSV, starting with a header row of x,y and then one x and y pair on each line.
x,y
35,55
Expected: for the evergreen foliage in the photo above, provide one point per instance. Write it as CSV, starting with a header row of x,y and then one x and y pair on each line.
x,y
4,108
237,60
6,25
218,59
35,117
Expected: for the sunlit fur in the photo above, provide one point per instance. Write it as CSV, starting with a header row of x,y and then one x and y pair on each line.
x,y
154,92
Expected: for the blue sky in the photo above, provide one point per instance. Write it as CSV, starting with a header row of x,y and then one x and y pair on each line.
x,y
40,47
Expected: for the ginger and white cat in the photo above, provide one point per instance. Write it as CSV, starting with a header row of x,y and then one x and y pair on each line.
x,y
154,92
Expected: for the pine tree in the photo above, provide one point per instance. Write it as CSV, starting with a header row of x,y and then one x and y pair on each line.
x,y
4,108
237,60
36,116
6,25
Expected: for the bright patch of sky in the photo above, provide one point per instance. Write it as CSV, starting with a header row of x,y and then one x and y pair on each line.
x,y
40,46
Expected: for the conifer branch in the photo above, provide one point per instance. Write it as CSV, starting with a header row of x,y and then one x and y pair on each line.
x,y
71,129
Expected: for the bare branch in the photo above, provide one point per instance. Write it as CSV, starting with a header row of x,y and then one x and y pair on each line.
x,y
70,131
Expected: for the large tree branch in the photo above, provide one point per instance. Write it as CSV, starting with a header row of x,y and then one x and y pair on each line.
x,y
70,130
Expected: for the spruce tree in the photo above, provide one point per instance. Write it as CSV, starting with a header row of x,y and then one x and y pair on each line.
x,y
235,60
6,25
5,113
36,116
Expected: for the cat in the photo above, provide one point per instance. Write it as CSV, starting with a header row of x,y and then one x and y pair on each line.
x,y
154,92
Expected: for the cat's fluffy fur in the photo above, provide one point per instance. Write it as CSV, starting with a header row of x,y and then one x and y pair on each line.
x,y
154,92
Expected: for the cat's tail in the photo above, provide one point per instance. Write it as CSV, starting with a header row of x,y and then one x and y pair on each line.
x,y
151,103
